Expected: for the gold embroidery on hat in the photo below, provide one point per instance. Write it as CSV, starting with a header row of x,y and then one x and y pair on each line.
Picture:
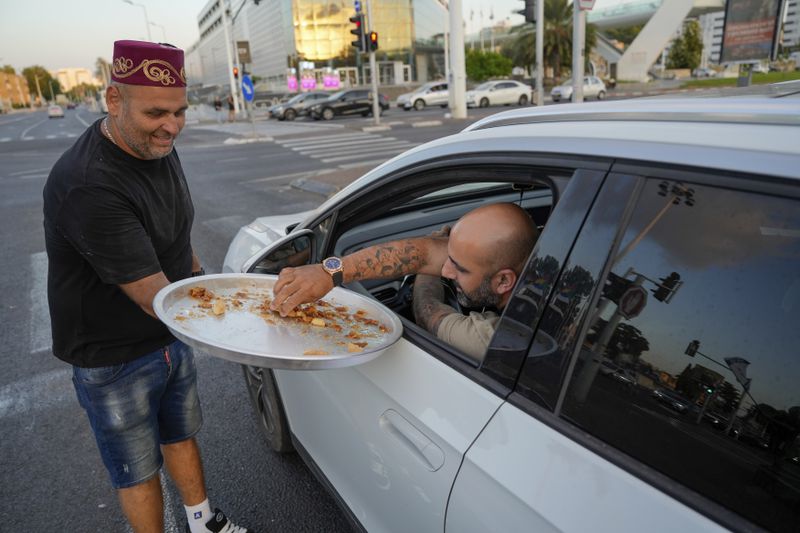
x,y
152,69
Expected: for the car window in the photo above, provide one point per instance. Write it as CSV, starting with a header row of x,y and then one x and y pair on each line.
x,y
701,303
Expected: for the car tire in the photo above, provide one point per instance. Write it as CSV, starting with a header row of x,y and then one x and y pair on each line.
x,y
484,102
406,109
523,100
601,95
327,113
268,408
290,114
419,104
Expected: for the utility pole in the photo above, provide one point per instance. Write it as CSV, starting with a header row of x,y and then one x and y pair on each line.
x,y
373,70
578,34
231,79
457,80
38,89
540,52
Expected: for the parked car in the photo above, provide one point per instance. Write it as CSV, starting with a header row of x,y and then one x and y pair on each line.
x,y
704,72
593,87
530,438
433,93
297,106
500,92
348,102
55,111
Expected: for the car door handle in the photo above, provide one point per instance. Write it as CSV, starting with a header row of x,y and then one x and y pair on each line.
x,y
420,446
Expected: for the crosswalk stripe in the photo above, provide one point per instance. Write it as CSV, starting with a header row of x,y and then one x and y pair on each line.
x,y
361,150
354,156
304,140
357,142
5,139
40,313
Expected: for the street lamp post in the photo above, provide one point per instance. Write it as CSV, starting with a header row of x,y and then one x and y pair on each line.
x,y
163,31
146,20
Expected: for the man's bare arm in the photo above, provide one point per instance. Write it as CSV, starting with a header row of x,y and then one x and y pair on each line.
x,y
394,259
429,306
144,290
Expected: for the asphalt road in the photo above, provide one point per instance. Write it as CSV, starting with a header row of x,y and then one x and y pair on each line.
x,y
52,476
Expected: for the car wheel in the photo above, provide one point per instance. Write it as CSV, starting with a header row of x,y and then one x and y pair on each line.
x,y
268,407
290,114
601,95
406,109
327,113
419,105
523,100
484,102
366,113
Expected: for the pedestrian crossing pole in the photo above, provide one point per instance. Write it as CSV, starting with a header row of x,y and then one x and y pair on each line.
x,y
373,70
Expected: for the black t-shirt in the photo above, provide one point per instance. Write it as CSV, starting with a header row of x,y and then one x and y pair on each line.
x,y
109,219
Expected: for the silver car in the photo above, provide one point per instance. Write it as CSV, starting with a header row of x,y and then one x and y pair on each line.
x,y
593,87
424,439
433,93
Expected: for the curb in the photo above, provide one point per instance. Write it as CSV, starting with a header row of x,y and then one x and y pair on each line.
x,y
375,128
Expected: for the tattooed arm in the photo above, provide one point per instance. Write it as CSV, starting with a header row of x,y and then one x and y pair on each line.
x,y
423,255
429,306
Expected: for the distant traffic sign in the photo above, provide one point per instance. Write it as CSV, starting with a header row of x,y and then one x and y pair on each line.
x,y
632,302
247,88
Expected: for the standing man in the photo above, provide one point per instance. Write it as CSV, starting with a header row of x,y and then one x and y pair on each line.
x,y
231,109
117,220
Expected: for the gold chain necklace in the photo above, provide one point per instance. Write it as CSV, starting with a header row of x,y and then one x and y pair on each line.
x,y
108,132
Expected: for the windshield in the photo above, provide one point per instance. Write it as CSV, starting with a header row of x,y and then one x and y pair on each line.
x,y
484,86
296,98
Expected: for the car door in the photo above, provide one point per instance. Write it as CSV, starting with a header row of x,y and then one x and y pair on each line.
x,y
438,94
574,450
390,434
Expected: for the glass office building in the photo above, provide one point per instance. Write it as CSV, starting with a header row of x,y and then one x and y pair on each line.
x,y
294,34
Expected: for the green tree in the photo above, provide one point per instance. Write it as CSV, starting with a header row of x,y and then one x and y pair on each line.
x,y
687,49
557,39
46,81
625,35
8,69
484,65
81,91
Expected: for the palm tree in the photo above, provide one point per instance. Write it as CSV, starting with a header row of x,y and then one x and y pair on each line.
x,y
558,25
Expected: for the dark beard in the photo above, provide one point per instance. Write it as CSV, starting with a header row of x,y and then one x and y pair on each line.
x,y
481,297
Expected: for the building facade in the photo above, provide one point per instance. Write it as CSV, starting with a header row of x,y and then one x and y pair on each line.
x,y
14,91
311,39
69,78
791,25
712,26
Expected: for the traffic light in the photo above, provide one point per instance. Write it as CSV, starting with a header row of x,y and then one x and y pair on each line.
x,y
666,287
236,73
373,41
529,12
358,31
691,350
615,287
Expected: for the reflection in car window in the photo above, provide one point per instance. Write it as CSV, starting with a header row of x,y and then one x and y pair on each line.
x,y
702,309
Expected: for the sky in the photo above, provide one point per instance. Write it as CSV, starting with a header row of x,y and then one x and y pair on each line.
x,y
66,34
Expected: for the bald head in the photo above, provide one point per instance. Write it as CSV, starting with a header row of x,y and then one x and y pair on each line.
x,y
503,234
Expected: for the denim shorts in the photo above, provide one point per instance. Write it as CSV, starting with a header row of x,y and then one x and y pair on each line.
x,y
137,406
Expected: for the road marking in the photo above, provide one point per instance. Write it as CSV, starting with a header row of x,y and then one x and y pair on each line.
x,y
353,156
36,393
382,147
33,176
39,339
426,123
81,120
24,134
295,175
373,163
358,142
21,172
231,159
312,140
50,137
5,139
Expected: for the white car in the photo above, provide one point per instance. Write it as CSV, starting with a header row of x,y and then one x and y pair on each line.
x,y
423,439
500,92
55,111
593,87
433,93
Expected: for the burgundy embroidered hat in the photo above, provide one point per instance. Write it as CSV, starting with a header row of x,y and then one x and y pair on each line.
x,y
144,63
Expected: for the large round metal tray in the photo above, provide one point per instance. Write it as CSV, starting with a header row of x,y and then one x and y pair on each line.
x,y
243,334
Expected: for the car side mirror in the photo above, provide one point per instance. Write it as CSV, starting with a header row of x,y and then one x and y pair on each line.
x,y
293,250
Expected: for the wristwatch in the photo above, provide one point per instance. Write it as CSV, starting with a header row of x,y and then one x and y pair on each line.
x,y
334,267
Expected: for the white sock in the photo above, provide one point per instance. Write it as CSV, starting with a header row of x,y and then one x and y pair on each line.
x,y
198,515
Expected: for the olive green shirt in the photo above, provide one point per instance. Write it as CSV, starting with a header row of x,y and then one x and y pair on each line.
x,y
471,334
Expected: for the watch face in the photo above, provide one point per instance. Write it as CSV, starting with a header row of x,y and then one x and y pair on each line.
x,y
332,263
